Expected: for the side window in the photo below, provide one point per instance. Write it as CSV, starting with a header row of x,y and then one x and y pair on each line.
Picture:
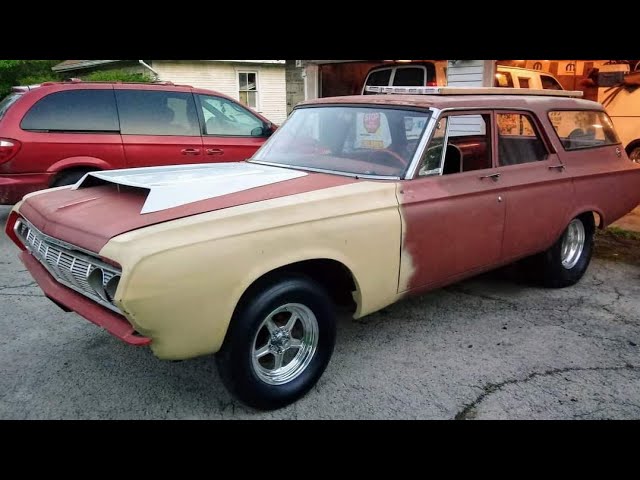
x,y
518,140
579,129
409,77
223,117
524,82
468,145
503,79
550,83
6,103
145,112
432,157
378,78
79,111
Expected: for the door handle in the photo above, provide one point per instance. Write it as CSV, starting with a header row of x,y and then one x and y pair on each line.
x,y
190,151
559,167
493,176
214,151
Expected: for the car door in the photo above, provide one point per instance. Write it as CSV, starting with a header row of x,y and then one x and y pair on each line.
x,y
231,133
537,191
452,210
158,127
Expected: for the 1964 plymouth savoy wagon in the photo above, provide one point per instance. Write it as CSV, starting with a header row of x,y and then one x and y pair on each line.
x,y
354,202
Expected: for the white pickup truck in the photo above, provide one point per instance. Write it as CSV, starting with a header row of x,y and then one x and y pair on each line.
x,y
619,92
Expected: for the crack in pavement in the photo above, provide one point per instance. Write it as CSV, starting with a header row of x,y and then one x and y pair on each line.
x,y
9,287
491,388
464,291
20,295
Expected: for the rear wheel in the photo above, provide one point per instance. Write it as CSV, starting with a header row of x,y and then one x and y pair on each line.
x,y
567,260
68,178
633,151
279,342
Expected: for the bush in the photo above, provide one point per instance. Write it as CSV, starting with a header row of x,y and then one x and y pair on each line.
x,y
116,76
25,72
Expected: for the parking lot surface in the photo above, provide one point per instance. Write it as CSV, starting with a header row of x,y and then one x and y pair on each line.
x,y
486,348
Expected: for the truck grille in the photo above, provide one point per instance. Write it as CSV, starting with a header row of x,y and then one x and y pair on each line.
x,y
71,266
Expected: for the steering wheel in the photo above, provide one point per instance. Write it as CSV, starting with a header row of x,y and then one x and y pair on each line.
x,y
403,163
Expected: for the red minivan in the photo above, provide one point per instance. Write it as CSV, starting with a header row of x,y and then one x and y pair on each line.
x,y
52,134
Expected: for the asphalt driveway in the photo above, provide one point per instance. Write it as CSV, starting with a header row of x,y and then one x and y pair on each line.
x,y
486,348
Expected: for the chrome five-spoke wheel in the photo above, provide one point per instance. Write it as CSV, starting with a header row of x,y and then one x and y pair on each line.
x,y
285,343
279,342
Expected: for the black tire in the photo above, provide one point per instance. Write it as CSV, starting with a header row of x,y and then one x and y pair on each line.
x,y
633,152
235,359
548,266
68,178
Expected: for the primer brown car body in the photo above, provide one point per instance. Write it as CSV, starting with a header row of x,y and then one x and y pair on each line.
x,y
186,269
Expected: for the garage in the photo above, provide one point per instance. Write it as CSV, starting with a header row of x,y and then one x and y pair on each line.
x,y
614,83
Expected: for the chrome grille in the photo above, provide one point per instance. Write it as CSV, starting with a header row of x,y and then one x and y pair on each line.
x,y
68,264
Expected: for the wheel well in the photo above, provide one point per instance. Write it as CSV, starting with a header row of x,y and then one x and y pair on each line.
x,y
332,275
591,220
71,170
633,144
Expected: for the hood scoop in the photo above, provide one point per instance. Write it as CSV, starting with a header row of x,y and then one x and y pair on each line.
x,y
173,186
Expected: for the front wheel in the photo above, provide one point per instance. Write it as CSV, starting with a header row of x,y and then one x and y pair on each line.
x,y
567,260
279,342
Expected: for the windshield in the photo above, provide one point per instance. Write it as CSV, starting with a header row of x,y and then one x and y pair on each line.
x,y
7,102
371,141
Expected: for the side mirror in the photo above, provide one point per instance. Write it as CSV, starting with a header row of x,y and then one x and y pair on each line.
x,y
265,130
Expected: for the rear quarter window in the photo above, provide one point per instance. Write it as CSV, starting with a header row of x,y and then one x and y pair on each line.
x,y
6,103
579,129
74,111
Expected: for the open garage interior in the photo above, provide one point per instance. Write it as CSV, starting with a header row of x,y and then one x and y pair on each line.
x,y
330,78
614,83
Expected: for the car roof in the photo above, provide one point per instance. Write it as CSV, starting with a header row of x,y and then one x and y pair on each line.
x,y
528,102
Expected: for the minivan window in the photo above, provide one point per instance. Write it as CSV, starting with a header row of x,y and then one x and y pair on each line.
x,y
7,102
145,112
81,111
223,117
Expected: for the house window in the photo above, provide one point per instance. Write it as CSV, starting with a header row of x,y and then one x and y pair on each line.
x,y
248,88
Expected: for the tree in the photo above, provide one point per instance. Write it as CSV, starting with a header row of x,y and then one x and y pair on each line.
x,y
25,72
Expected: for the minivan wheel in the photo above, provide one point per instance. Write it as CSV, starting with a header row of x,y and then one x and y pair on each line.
x,y
634,154
279,343
567,260
68,178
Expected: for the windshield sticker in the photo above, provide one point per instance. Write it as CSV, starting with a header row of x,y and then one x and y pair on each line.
x,y
372,131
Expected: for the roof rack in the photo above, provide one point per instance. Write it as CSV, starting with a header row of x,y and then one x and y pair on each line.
x,y
473,91
24,88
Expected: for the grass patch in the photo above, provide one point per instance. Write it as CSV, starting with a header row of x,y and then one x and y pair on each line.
x,y
617,244
622,233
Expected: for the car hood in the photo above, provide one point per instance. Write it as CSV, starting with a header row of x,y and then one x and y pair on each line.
x,y
173,186
106,204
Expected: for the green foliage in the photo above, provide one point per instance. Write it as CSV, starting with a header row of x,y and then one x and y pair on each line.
x,y
622,233
25,72
116,76
10,63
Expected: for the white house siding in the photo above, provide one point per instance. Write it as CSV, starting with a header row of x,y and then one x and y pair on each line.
x,y
223,77
470,73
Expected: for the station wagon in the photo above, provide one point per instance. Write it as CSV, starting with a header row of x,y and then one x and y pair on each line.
x,y
354,202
